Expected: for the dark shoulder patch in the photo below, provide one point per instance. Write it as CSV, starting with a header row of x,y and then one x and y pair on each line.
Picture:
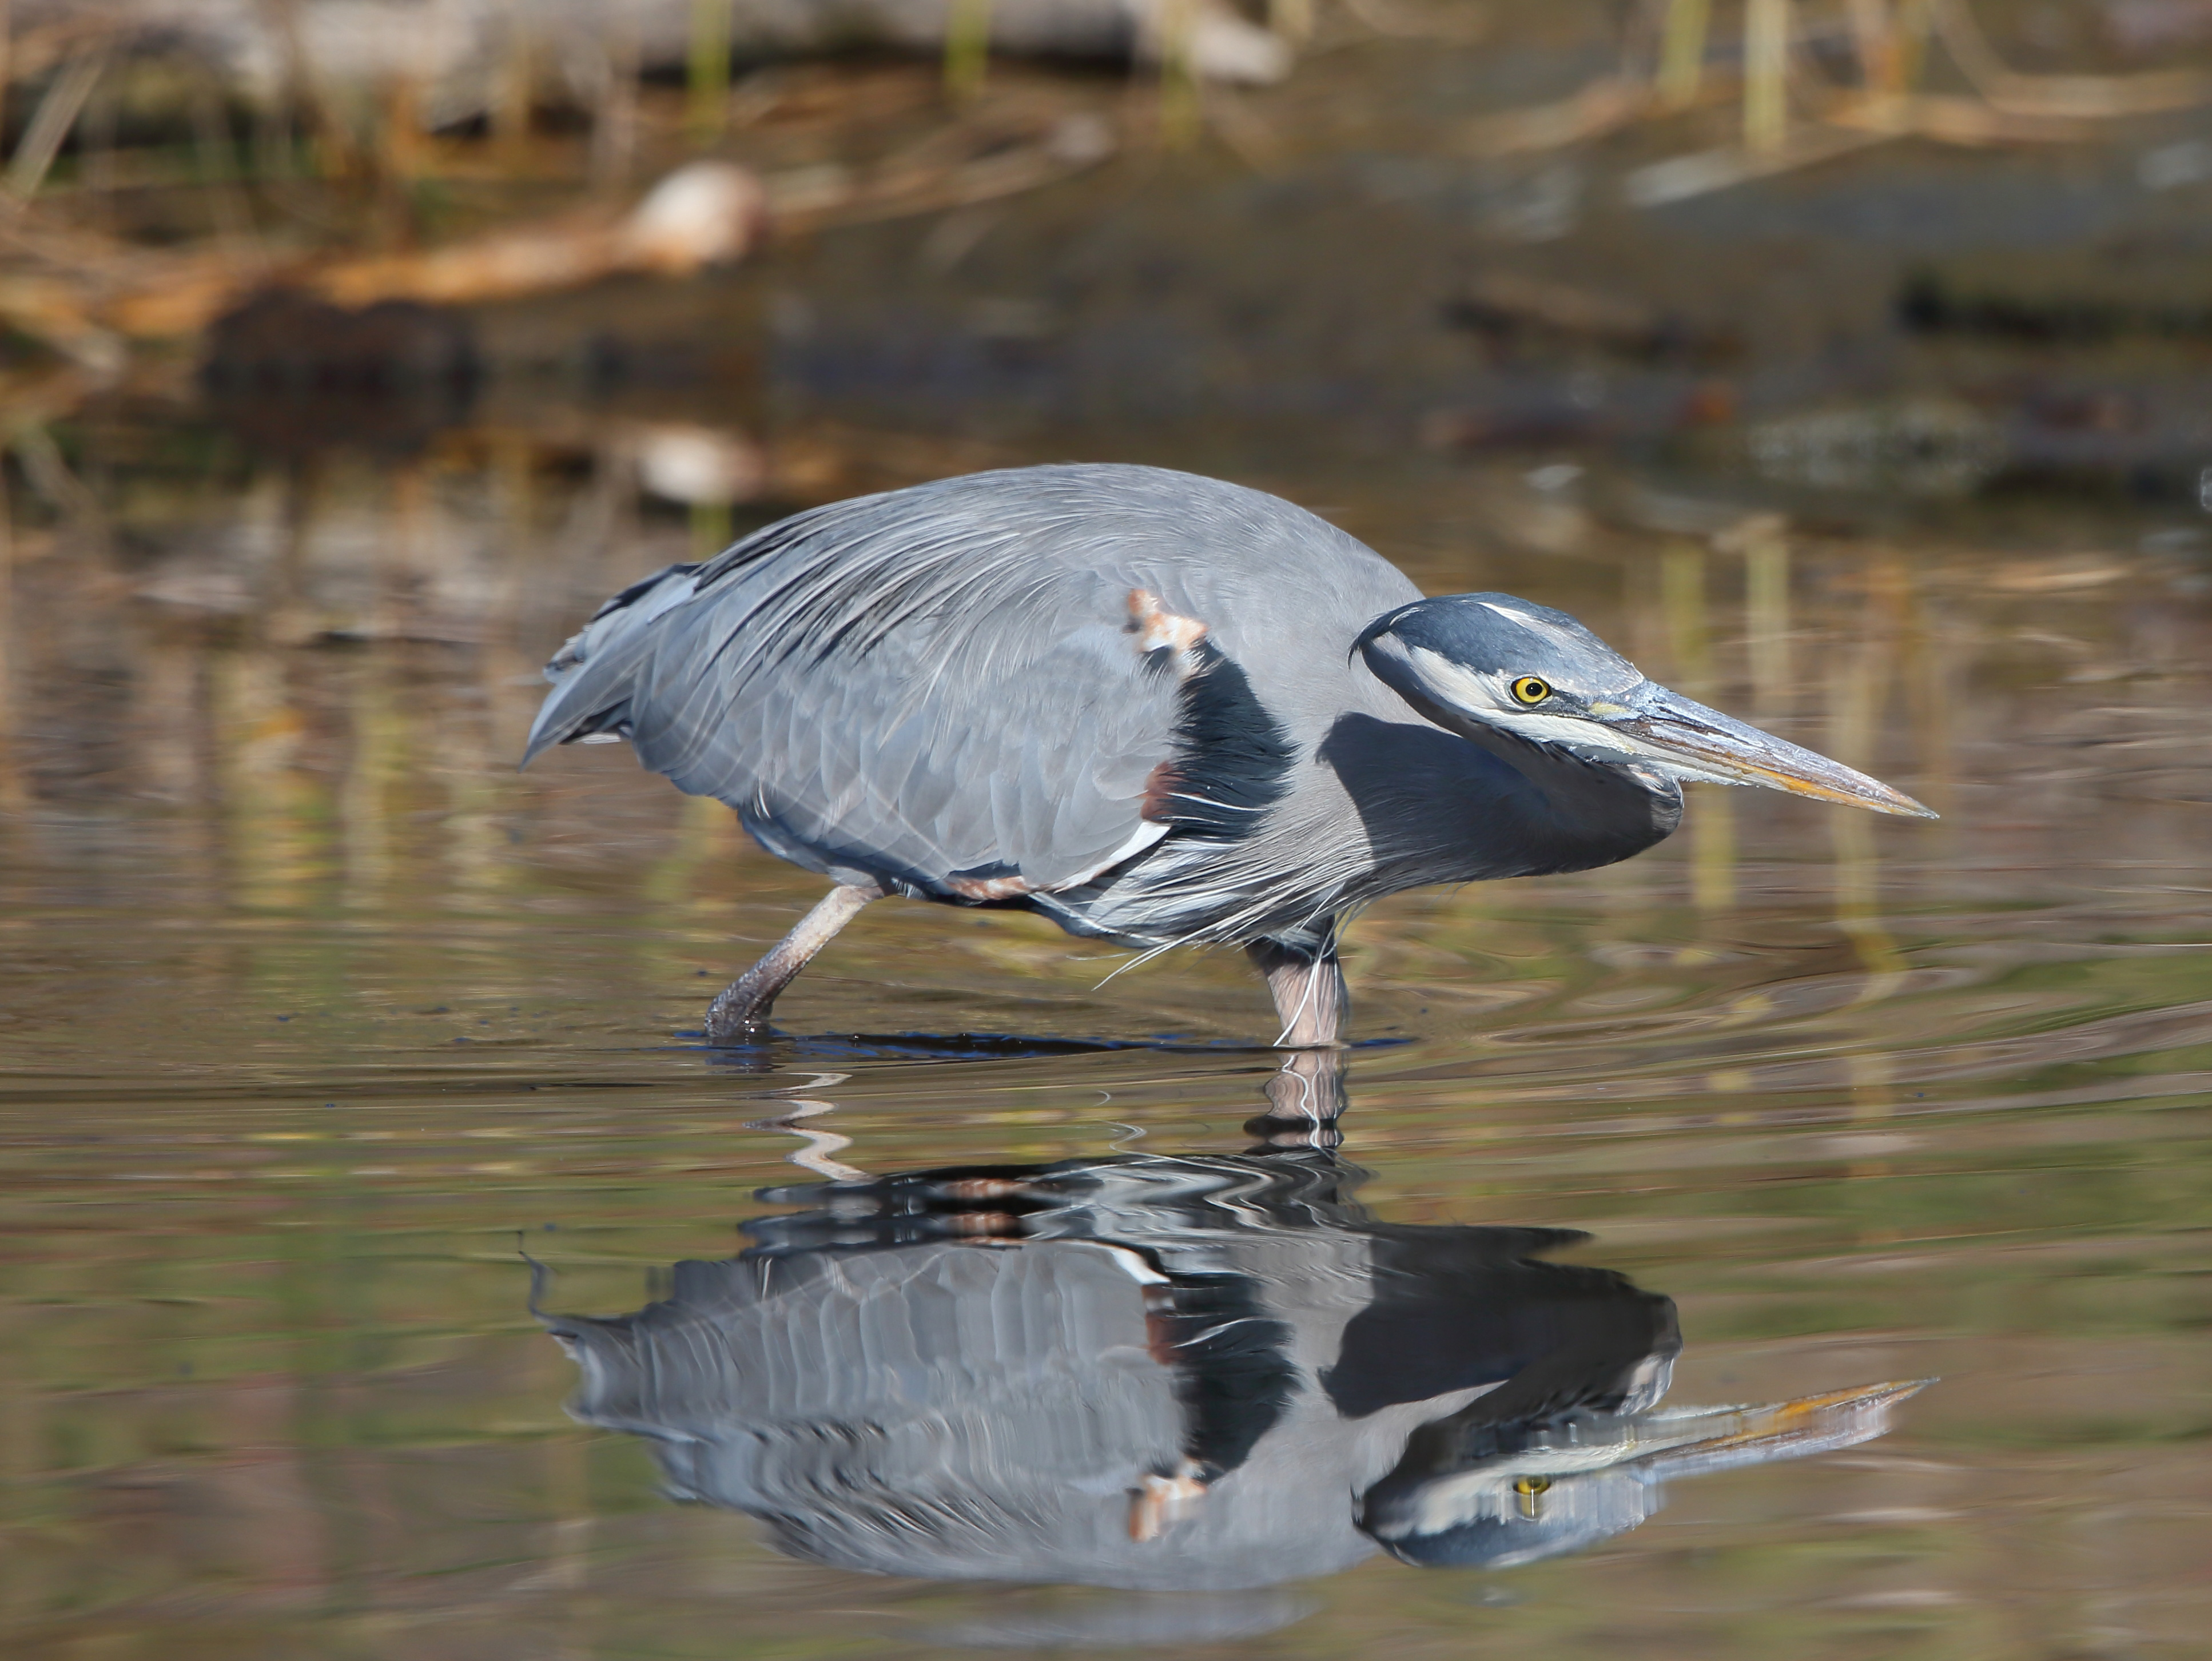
x,y
1233,1374
1232,759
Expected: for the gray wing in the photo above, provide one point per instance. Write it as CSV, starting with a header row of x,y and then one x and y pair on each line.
x,y
967,686
955,1411
935,1410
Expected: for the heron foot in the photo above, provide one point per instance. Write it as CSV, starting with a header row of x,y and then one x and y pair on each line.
x,y
740,1011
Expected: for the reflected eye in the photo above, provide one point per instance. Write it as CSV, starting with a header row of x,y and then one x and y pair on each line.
x,y
1530,1489
1530,690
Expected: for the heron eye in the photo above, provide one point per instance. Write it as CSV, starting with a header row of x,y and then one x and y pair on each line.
x,y
1530,690
1531,1489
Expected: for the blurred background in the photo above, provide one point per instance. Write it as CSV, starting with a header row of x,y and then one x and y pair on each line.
x,y
1845,363
419,324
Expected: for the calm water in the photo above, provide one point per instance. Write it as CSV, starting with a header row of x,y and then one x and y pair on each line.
x,y
321,1026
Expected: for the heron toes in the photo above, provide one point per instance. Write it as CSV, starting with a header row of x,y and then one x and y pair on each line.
x,y
738,1015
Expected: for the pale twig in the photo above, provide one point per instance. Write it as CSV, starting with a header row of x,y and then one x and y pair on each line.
x,y
1679,178
57,113
2080,97
1605,105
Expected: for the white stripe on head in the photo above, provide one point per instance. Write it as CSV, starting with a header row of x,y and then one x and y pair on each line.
x,y
1541,627
1508,611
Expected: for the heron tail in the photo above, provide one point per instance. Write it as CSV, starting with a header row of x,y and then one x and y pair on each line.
x,y
594,674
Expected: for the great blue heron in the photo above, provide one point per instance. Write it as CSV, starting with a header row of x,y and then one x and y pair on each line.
x,y
1156,708
1207,1372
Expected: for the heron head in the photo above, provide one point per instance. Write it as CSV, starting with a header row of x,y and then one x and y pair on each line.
x,y
1567,1481
1491,661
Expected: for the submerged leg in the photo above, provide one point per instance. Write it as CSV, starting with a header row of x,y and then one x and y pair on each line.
x,y
1309,991
1305,1098
744,1003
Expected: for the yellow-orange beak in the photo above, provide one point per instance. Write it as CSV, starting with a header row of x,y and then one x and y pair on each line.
x,y
1692,741
1690,1442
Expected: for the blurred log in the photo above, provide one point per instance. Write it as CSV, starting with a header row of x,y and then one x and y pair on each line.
x,y
461,53
710,213
85,295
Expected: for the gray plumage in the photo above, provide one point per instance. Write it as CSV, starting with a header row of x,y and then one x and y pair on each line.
x,y
947,683
986,1408
1154,707
1212,1372
965,1413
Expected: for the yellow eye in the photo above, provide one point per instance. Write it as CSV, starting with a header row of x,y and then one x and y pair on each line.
x,y
1530,1489
1530,690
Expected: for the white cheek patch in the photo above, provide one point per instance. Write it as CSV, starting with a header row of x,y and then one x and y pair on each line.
x,y
1486,698
1456,683
1560,729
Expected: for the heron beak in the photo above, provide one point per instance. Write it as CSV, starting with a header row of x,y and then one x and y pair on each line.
x,y
1692,742
1691,1441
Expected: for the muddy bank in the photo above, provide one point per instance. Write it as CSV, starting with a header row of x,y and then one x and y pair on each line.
x,y
1332,269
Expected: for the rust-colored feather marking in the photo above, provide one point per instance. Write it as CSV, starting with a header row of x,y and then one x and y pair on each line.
x,y
990,888
1157,627
981,1188
1161,785
1162,1500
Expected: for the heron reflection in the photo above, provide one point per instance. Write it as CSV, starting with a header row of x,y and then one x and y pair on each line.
x,y
1164,1371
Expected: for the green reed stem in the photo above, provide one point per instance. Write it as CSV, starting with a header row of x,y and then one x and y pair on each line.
x,y
707,71
966,48
1682,52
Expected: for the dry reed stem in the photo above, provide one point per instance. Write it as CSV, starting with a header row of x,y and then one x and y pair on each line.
x,y
1605,105
1766,29
1682,52
57,114
2078,97
2007,106
1952,119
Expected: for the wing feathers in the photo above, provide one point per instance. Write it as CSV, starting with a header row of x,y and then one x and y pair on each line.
x,y
987,675
921,675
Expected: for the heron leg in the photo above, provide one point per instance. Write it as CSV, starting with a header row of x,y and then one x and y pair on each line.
x,y
1309,991
742,1007
1305,1098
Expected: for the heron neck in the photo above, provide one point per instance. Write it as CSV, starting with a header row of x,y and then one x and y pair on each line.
x,y
1469,805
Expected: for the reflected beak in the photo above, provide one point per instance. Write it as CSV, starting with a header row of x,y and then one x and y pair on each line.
x,y
1690,1442
1692,742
